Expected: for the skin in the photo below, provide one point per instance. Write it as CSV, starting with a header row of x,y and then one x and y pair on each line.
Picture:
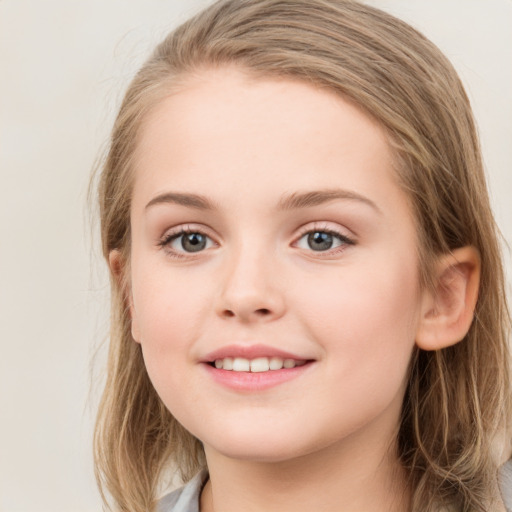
x,y
326,439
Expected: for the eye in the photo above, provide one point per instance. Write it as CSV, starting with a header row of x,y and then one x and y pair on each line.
x,y
186,241
322,240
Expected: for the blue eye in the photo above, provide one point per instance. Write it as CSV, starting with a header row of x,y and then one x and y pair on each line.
x,y
186,241
323,240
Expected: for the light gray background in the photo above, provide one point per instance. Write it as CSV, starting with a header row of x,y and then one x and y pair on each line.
x,y
63,67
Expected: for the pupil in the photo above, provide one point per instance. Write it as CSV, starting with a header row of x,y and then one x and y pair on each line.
x,y
320,241
193,242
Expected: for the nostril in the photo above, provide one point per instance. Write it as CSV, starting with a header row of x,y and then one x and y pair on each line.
x,y
262,312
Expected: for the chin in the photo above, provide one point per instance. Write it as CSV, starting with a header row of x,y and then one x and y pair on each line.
x,y
269,444
257,453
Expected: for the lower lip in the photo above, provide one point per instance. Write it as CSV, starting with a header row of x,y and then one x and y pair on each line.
x,y
257,381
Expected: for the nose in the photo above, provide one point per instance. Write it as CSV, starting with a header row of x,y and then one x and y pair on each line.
x,y
250,288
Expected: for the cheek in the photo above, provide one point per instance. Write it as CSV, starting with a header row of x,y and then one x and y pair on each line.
x,y
366,316
166,308
167,312
365,322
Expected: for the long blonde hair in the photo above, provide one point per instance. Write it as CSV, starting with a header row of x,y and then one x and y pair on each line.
x,y
457,401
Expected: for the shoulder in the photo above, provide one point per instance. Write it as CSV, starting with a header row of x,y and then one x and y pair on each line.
x,y
186,498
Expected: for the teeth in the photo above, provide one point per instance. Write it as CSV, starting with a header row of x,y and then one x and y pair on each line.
x,y
276,363
241,365
260,364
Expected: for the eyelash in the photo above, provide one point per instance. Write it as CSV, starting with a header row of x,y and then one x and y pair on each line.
x,y
165,242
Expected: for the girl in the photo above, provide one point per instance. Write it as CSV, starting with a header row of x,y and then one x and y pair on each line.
x,y
308,306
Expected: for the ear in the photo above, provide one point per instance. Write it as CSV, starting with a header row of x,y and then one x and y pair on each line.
x,y
447,313
118,268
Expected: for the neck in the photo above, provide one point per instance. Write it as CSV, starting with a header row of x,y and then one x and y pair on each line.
x,y
332,480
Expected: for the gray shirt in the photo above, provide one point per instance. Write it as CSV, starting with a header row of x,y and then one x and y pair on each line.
x,y
186,499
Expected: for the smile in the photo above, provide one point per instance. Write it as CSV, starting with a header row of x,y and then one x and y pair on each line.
x,y
257,365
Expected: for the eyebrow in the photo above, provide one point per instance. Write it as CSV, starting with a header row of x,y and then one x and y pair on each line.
x,y
298,200
293,201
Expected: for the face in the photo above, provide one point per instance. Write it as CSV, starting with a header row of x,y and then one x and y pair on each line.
x,y
269,235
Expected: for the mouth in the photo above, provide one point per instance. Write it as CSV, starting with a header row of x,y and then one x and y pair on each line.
x,y
255,368
256,365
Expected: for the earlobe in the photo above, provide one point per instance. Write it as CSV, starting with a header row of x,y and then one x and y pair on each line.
x,y
117,267
115,264
447,313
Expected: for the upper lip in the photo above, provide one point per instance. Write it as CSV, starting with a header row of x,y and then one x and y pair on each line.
x,y
250,352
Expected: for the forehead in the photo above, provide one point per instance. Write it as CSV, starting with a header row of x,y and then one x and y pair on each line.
x,y
228,133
